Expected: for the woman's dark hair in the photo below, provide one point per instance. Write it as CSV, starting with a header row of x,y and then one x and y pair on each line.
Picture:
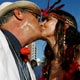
x,y
48,52
72,36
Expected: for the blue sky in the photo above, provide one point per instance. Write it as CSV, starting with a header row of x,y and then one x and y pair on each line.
x,y
72,6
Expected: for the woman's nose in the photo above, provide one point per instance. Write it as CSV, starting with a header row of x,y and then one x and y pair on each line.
x,y
42,23
42,26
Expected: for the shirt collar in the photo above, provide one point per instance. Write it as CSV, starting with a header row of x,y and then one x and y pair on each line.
x,y
15,43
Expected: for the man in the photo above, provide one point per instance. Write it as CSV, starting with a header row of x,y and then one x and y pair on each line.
x,y
19,27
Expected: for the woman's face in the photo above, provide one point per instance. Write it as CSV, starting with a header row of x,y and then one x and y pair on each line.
x,y
48,26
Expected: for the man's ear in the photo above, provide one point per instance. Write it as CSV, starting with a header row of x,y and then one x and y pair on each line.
x,y
18,14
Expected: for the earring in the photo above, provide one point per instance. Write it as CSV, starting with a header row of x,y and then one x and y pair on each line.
x,y
64,40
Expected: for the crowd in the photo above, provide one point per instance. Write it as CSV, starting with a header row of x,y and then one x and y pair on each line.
x,y
20,25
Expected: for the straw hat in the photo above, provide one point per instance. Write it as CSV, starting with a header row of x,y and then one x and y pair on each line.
x,y
7,6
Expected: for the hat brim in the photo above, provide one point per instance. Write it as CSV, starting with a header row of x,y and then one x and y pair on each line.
x,y
21,4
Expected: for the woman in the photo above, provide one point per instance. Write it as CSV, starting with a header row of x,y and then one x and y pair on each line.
x,y
57,22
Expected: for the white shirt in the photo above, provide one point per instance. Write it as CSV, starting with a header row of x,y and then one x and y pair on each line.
x,y
8,67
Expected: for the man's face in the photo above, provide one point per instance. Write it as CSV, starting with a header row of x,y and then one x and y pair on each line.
x,y
32,27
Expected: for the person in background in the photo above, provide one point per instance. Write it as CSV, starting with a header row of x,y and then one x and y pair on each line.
x,y
37,69
33,63
18,21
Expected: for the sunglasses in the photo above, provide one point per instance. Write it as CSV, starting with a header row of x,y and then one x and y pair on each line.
x,y
34,14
